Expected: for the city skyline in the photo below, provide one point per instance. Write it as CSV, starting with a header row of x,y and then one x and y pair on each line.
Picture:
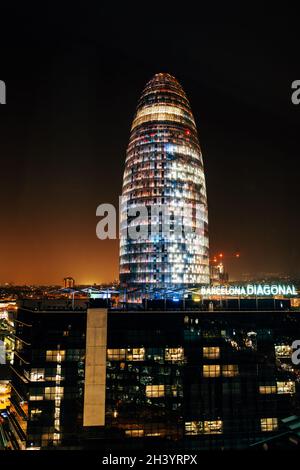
x,y
149,256
66,126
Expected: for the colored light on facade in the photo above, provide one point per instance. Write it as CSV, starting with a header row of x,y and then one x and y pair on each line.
x,y
164,166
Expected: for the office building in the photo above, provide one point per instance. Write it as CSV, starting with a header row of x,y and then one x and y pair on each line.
x,y
164,173
185,379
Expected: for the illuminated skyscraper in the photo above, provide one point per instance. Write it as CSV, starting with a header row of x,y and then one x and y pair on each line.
x,y
164,168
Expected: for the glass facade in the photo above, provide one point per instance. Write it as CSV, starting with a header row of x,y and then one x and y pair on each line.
x,y
186,380
204,380
164,173
48,376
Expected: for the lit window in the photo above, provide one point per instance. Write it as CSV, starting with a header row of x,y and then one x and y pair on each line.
x,y
193,428
36,397
134,432
155,391
286,387
136,354
55,356
35,413
267,389
230,370
283,351
4,395
52,393
155,434
37,375
212,370
212,352
213,427
269,424
174,354
161,112
36,393
116,354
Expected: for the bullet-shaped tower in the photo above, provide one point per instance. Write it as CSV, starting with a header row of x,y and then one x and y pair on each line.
x,y
164,168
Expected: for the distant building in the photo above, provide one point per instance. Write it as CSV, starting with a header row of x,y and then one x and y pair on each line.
x,y
69,283
188,379
49,371
218,275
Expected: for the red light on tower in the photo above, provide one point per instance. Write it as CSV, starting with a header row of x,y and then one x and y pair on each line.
x,y
237,255
221,255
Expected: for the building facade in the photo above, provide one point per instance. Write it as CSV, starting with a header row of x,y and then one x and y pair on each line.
x,y
201,380
184,379
164,173
48,373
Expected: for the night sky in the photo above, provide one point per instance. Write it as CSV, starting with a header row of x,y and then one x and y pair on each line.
x,y
74,75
